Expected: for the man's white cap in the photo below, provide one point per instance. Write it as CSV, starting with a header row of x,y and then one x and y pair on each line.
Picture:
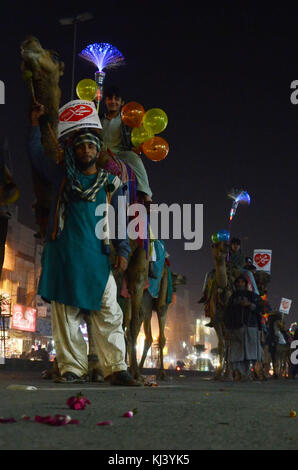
x,y
75,115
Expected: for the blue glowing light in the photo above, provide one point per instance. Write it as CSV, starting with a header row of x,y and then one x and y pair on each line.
x,y
239,197
103,55
243,198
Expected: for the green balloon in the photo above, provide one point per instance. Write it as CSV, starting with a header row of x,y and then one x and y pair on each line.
x,y
140,135
155,120
214,238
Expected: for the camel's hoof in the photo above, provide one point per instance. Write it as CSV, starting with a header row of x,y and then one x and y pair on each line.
x,y
228,378
47,374
162,375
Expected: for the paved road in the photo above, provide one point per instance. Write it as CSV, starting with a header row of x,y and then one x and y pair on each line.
x,y
181,414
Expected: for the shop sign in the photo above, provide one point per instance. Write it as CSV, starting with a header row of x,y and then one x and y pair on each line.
x,y
23,318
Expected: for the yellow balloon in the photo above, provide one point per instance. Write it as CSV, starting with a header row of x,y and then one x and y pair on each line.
x,y
87,89
140,135
155,119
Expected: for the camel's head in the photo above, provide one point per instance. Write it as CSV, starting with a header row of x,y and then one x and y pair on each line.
x,y
220,251
41,62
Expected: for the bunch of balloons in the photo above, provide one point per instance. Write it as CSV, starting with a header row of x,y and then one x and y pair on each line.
x,y
221,236
145,125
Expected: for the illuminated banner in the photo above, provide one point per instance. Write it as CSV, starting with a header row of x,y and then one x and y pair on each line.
x,y
23,318
262,260
285,305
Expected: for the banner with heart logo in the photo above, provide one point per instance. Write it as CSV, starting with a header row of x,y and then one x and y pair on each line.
x,y
262,260
285,305
77,114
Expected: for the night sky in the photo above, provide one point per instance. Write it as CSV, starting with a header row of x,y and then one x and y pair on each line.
x,y
223,76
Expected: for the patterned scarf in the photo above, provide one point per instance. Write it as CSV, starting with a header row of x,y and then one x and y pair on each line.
x,y
73,191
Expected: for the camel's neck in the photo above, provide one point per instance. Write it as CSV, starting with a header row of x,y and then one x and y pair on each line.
x,y
221,272
49,96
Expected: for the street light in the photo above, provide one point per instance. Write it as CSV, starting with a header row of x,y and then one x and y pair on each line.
x,y
75,20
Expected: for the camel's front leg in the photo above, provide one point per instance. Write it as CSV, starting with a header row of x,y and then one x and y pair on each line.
x,y
221,350
162,318
137,274
147,304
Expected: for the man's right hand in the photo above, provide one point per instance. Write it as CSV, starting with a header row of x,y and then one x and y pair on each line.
x,y
37,111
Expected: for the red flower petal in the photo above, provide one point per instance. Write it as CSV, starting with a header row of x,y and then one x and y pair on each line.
x,y
57,420
104,423
7,420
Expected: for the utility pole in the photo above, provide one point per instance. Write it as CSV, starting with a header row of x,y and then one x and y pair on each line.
x,y
74,20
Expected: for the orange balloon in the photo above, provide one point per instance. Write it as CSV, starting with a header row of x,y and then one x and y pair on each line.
x,y
156,149
132,114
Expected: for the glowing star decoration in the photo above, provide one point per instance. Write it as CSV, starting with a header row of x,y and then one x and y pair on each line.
x,y
103,55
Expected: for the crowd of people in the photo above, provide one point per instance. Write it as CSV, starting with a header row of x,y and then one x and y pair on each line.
x,y
255,334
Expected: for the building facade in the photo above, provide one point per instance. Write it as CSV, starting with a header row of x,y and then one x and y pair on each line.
x,y
29,324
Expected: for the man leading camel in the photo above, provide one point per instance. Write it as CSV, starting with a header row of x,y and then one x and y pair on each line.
x,y
76,275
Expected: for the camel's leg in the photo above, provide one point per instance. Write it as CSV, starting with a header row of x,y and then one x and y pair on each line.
x,y
147,304
137,274
259,370
162,318
94,372
126,308
221,350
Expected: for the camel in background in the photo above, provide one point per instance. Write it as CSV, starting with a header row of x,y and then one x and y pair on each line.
x,y
219,288
160,305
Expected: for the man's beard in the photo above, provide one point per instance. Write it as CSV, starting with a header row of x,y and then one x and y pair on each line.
x,y
83,166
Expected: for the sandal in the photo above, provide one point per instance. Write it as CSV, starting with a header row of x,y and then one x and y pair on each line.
x,y
70,377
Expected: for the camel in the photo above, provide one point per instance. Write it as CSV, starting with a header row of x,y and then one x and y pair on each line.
x,y
160,305
43,70
220,286
46,71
